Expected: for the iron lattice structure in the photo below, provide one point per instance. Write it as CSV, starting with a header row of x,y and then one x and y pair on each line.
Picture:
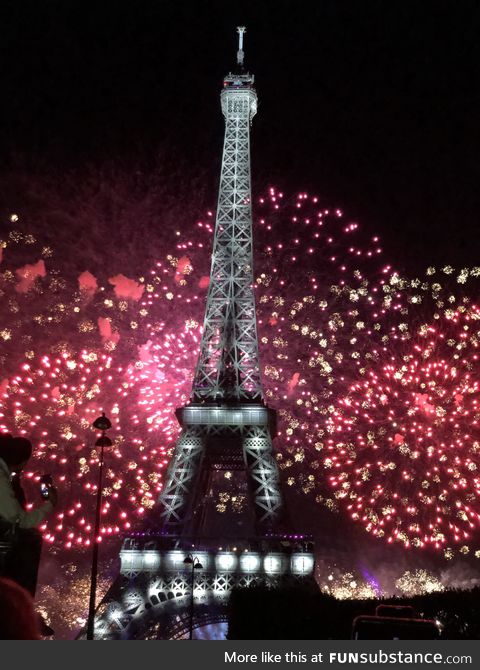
x,y
152,597
228,367
226,426
246,434
227,395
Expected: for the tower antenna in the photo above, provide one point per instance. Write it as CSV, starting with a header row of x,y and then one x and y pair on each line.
x,y
240,54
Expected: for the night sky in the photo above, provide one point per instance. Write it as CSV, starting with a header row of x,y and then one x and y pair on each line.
x,y
373,105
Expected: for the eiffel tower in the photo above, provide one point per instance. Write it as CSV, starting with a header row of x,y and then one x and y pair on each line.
x,y
226,427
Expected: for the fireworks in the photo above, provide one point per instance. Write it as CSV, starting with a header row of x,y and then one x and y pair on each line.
x,y
346,586
418,583
66,394
63,596
403,442
373,374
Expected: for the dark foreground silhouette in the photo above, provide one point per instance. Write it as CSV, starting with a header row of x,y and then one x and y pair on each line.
x,y
301,613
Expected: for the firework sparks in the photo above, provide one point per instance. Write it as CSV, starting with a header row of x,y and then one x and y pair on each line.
x,y
404,441
373,374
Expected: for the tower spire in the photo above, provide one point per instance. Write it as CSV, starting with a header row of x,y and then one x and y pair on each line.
x,y
241,30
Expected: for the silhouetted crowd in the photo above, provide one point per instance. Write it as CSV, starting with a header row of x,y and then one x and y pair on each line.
x,y
20,543
302,612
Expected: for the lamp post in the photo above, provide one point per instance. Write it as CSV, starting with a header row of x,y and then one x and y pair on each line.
x,y
103,424
196,565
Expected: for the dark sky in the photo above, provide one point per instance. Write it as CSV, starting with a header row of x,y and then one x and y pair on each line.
x,y
374,105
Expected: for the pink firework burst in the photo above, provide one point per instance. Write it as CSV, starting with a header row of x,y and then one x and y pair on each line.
x,y
403,451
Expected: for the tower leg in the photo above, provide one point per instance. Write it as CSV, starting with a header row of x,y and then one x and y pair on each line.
x,y
179,484
263,477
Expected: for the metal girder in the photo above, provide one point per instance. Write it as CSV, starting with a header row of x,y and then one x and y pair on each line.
x,y
228,367
181,476
248,424
227,393
263,477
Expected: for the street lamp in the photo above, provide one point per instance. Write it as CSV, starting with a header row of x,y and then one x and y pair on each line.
x,y
103,424
196,565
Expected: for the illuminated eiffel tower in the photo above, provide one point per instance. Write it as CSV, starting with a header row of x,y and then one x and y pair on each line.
x,y
227,399
226,426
